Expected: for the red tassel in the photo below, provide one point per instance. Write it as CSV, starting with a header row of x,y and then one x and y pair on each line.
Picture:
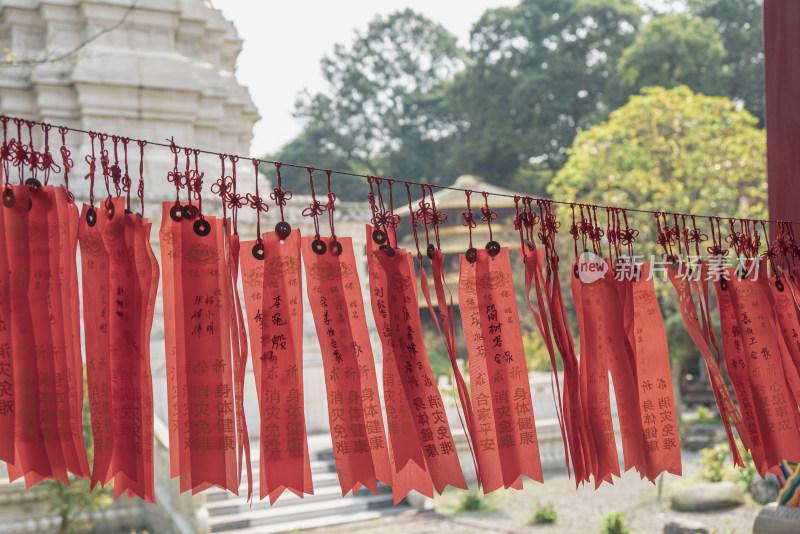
x,y
775,413
594,368
46,361
203,411
704,338
403,439
569,406
359,439
425,401
239,347
647,337
445,324
273,297
506,372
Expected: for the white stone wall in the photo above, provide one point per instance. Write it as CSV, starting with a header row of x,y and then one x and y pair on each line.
x,y
168,70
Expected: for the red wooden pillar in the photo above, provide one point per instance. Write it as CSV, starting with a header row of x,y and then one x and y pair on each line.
x,y
782,86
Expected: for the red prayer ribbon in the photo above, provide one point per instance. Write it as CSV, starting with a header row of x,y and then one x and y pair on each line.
x,y
425,400
404,442
359,438
198,307
40,233
274,301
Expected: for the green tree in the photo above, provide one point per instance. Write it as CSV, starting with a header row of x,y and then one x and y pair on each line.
x,y
383,112
740,25
670,149
676,49
539,72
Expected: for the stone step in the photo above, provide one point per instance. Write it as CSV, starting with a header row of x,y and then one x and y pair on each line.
x,y
317,466
291,515
326,521
323,484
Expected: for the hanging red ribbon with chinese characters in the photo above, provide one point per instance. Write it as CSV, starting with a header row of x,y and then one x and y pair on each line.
x,y
693,290
273,285
404,441
654,431
120,280
334,292
199,312
41,379
425,402
506,434
597,329
541,273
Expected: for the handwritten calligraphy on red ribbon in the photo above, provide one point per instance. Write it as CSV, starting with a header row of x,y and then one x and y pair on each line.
x,y
359,438
203,415
404,443
273,298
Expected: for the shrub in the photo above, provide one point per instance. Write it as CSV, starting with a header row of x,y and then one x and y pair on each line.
x,y
471,501
713,462
543,514
614,523
717,465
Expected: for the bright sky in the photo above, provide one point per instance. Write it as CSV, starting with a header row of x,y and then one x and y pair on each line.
x,y
284,42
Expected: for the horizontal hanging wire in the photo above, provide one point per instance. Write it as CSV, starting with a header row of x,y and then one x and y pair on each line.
x,y
411,182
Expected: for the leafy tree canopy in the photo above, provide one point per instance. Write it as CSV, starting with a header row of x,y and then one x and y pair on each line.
x,y
676,49
674,149
383,112
539,72
404,101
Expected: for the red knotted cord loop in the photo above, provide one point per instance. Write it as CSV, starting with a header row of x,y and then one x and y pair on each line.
x,y
316,208
716,239
197,183
91,160
734,238
469,217
20,152
140,189
488,215
66,160
6,148
47,163
126,178
696,236
235,200
255,200
519,223
222,187
548,229
330,207
413,217
279,195
437,217
104,167
115,171
174,176
381,216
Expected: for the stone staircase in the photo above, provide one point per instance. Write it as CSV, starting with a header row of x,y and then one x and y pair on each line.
x,y
233,514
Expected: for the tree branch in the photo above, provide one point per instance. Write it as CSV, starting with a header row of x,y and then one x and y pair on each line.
x,y
10,62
